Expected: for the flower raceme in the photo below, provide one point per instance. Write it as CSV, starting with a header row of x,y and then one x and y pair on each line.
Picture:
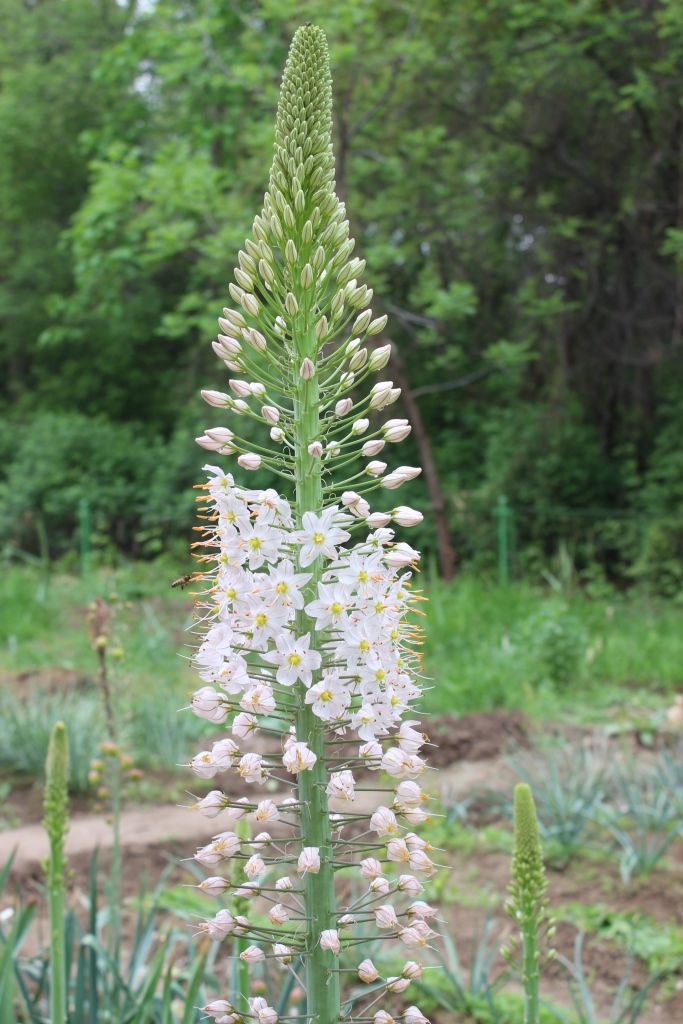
x,y
308,645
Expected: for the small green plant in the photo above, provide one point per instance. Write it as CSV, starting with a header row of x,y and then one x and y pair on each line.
x,y
556,643
628,1003
56,823
642,818
528,904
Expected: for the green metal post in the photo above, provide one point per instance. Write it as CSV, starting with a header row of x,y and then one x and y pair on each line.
x,y
84,534
503,514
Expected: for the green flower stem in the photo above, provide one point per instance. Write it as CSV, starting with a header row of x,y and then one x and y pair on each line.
x,y
321,984
55,821
528,895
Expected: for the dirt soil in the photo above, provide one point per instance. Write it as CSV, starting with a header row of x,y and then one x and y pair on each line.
x,y
472,750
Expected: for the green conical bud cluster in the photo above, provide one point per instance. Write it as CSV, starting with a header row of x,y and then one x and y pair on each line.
x,y
55,820
55,801
528,886
528,904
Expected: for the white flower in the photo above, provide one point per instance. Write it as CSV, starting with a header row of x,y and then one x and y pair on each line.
x,y
372,447
220,926
401,765
260,1009
214,886
284,884
375,467
294,659
212,804
409,739
420,862
397,851
401,555
409,885
244,725
266,810
251,768
278,914
315,449
270,414
254,867
384,823
367,972
330,698
259,699
341,785
412,970
321,535
298,758
379,886
309,860
208,703
360,426
382,1017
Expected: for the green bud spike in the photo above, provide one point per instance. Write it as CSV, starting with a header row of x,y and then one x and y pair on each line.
x,y
528,904
55,821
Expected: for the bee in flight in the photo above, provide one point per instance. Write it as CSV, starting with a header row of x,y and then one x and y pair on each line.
x,y
183,581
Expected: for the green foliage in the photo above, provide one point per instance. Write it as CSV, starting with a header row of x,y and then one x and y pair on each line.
x,y
513,180
556,642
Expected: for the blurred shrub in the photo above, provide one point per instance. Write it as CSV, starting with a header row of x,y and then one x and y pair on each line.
x,y
555,643
138,487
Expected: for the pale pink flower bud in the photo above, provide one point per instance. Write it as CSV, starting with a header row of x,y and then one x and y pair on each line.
x,y
277,435
372,447
367,972
371,753
401,555
282,953
202,764
252,955
284,884
358,360
251,768
315,449
375,468
379,886
343,406
329,939
244,725
257,340
385,917
382,1017
214,886
383,822
370,868
270,414
309,860
421,909
229,343
397,985
393,480
307,369
360,426
378,519
414,1016
412,970
257,389
347,919
249,460
239,406
396,430
411,937
356,505
218,399
239,388
405,516
217,1008
266,810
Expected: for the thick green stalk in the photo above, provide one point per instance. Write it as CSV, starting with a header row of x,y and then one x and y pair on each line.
x,y
322,982
55,821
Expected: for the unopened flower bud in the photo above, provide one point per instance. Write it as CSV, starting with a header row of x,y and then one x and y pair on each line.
x,y
329,939
291,305
360,426
361,322
375,468
321,328
343,406
250,304
218,399
307,276
240,388
378,519
249,460
307,369
367,972
252,955
373,447
405,516
270,414
378,325
315,449
277,434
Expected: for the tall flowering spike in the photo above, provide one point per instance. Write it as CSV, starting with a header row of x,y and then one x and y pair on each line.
x,y
305,620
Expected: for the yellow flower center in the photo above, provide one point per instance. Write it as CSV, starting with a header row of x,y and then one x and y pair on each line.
x,y
394,700
281,588
380,674
261,620
363,576
230,516
294,660
336,608
231,593
318,538
326,695
255,544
